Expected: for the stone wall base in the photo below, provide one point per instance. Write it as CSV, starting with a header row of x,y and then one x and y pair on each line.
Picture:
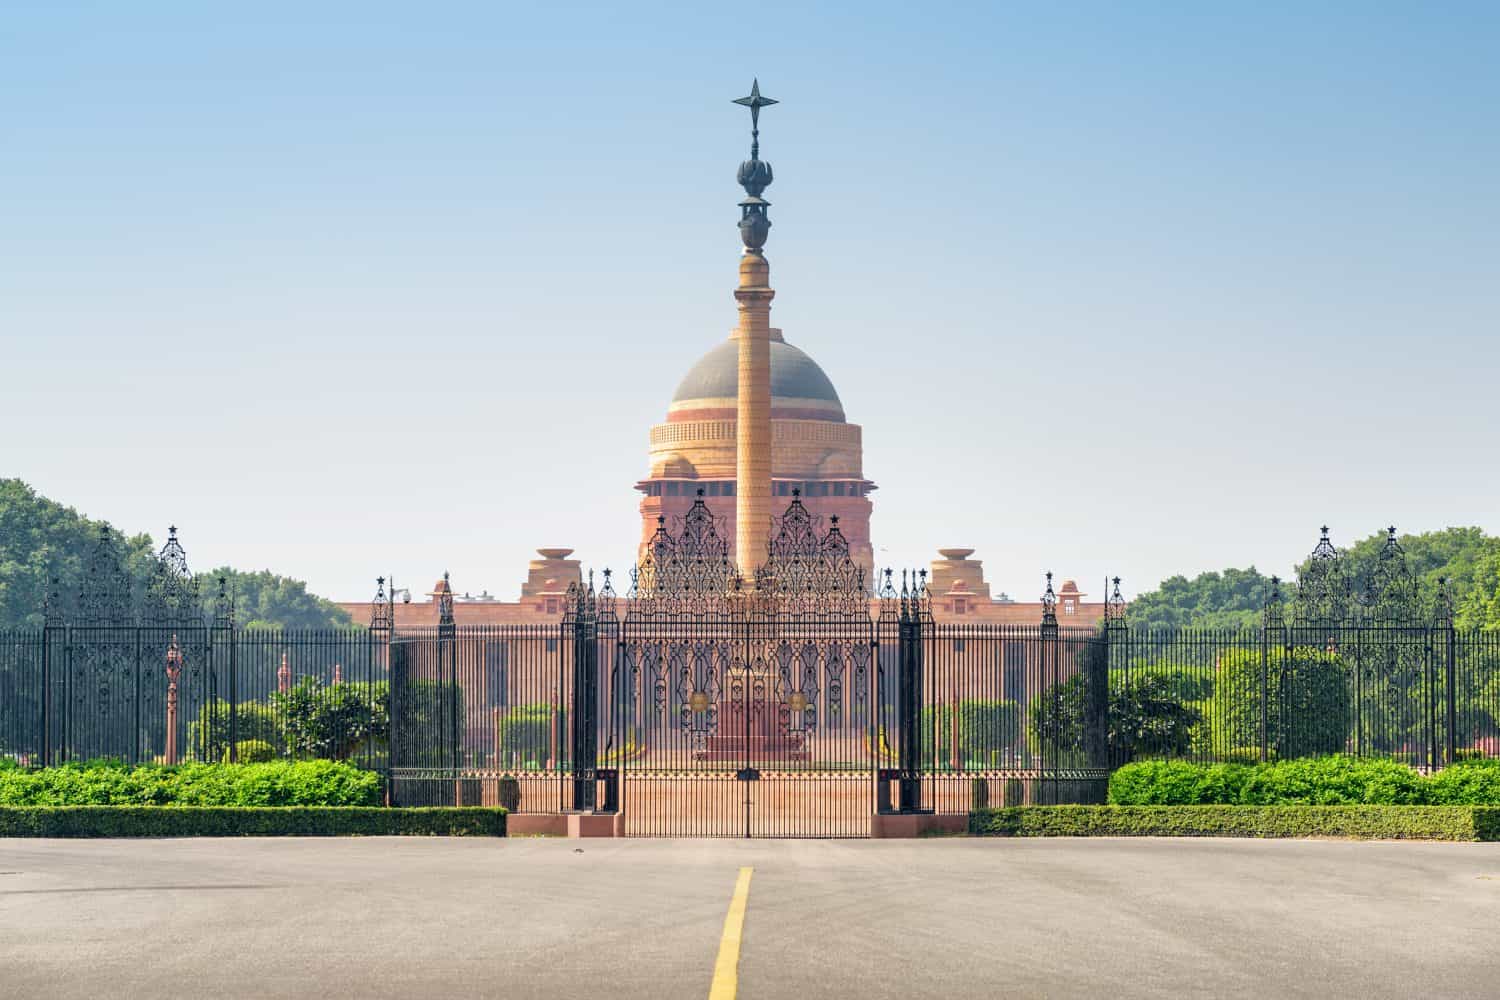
x,y
565,825
886,826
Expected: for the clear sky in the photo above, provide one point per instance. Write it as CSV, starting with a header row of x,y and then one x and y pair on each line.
x,y
344,289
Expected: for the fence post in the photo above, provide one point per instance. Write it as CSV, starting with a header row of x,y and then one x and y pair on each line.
x,y
909,666
382,633
135,736
583,625
1450,670
51,623
222,634
448,669
1096,680
1049,682
1272,620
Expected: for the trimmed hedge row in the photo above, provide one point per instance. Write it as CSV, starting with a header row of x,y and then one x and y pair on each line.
x,y
231,821
1359,822
1337,780
106,783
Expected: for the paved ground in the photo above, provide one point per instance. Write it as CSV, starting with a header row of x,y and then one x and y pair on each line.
x,y
642,919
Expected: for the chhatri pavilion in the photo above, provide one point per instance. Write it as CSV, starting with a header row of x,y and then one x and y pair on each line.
x,y
753,423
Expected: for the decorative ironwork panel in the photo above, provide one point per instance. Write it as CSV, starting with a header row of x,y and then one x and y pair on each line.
x,y
686,573
1323,589
382,608
1391,593
172,592
104,598
808,573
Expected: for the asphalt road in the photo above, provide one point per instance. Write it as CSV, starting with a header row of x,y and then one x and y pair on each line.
x,y
642,918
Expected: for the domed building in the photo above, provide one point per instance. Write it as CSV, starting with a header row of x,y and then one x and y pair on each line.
x,y
814,448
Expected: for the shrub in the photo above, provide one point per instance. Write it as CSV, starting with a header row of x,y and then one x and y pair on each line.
x,y
335,721
282,783
1333,780
1475,781
1145,719
1186,684
1380,822
252,752
1306,699
217,821
208,736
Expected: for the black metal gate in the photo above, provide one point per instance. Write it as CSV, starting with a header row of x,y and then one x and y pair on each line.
x,y
725,707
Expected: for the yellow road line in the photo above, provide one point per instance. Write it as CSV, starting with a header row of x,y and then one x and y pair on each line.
x,y
727,968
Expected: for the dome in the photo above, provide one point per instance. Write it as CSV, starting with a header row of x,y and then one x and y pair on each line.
x,y
799,388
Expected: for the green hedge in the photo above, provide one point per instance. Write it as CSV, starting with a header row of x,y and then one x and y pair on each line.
x,y
1311,781
278,783
187,821
1360,822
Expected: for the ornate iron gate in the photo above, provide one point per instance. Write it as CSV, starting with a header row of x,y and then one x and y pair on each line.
x,y
727,708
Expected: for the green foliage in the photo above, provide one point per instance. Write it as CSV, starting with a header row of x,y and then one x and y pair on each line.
x,y
1176,783
1336,780
1373,822
1478,606
1234,598
428,711
253,752
333,722
302,783
526,734
1467,783
208,735
1146,719
1306,699
40,538
1454,553
219,821
1229,600
264,599
989,732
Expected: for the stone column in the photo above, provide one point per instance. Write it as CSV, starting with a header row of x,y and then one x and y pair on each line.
x,y
752,507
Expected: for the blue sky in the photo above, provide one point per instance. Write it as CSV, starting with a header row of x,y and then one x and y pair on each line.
x,y
365,288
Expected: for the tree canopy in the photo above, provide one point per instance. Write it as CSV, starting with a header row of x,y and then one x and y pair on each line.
x,y
1228,600
42,540
1467,557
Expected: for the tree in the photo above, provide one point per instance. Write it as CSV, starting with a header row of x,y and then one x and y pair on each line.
x,y
1454,554
1231,599
1146,718
1479,606
265,599
1234,598
41,539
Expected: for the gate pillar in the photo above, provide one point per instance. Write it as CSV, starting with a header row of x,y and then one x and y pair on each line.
x,y
581,628
910,671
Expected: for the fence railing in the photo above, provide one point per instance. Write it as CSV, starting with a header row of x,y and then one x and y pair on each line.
x,y
993,702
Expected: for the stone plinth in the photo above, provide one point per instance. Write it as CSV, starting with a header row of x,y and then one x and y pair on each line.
x,y
757,739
